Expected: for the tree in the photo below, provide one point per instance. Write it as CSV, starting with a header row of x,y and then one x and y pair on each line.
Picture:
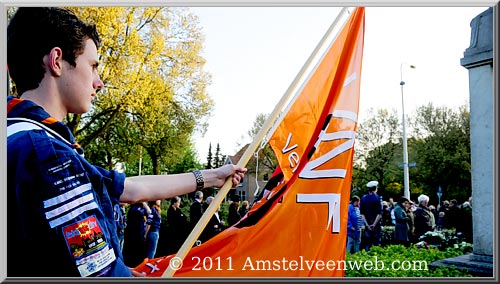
x,y
218,158
443,151
155,88
188,163
377,148
266,157
209,157
439,144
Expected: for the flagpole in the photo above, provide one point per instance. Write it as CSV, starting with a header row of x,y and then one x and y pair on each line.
x,y
301,73
210,211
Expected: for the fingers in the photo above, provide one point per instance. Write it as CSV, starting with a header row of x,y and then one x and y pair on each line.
x,y
137,274
235,172
236,180
238,177
237,169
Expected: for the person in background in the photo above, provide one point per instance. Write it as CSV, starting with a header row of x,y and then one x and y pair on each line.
x,y
61,205
121,222
386,214
402,228
354,224
465,225
440,221
233,215
196,209
453,215
215,224
153,224
410,209
371,212
177,225
134,245
243,208
391,203
423,217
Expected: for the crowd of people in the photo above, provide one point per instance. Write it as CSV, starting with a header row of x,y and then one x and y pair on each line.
x,y
144,237
366,217
410,220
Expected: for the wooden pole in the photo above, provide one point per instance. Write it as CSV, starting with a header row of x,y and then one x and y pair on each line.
x,y
210,211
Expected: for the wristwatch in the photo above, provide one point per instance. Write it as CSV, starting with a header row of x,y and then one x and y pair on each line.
x,y
200,182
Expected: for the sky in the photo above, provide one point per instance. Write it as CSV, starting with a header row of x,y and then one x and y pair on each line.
x,y
255,53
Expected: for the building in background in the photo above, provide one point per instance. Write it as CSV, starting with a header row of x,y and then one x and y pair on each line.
x,y
247,189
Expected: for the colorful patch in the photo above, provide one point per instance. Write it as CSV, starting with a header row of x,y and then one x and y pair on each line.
x,y
88,245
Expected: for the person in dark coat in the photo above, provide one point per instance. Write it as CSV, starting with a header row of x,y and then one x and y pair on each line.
x,y
196,209
177,225
465,226
371,212
424,219
215,224
233,215
243,208
402,227
134,246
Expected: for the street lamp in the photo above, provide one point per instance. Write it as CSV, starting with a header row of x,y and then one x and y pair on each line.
x,y
405,147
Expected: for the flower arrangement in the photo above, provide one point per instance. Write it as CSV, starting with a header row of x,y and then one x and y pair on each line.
x,y
464,247
432,238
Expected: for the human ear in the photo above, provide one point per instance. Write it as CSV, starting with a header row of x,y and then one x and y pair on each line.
x,y
54,61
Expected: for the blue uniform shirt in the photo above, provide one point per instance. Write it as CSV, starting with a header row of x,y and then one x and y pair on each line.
x,y
370,206
154,220
60,221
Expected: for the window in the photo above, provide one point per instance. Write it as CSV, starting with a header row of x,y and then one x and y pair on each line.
x,y
242,194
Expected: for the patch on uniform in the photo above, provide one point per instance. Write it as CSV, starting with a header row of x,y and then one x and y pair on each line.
x,y
59,167
88,246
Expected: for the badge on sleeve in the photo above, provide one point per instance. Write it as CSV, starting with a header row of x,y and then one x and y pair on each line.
x,y
88,245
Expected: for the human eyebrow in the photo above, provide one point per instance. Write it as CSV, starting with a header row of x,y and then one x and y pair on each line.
x,y
94,62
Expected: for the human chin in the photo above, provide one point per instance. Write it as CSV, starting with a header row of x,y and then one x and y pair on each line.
x,y
83,107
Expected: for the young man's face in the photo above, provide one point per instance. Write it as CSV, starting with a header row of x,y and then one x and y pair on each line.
x,y
80,83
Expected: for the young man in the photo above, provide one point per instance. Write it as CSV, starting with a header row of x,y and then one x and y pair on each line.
x,y
60,220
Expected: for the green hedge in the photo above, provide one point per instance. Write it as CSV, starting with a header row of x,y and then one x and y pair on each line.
x,y
399,261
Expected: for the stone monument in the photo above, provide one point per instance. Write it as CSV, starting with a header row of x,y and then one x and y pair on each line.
x,y
478,59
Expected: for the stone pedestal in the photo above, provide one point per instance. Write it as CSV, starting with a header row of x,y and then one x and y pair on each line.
x,y
478,59
476,266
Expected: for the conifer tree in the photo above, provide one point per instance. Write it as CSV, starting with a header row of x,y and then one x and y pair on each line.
x,y
209,157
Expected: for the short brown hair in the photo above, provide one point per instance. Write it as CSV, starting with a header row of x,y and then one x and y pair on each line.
x,y
33,32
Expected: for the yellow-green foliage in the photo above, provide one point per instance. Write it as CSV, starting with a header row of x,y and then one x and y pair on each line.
x,y
155,86
147,54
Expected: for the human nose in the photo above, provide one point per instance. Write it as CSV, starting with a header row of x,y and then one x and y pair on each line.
x,y
98,84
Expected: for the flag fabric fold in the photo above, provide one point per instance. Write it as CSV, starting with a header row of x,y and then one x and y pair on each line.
x,y
298,226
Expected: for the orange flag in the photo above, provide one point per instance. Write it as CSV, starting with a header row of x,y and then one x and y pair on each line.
x,y
298,228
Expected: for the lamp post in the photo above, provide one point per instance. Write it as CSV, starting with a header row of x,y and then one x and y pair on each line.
x,y
406,172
